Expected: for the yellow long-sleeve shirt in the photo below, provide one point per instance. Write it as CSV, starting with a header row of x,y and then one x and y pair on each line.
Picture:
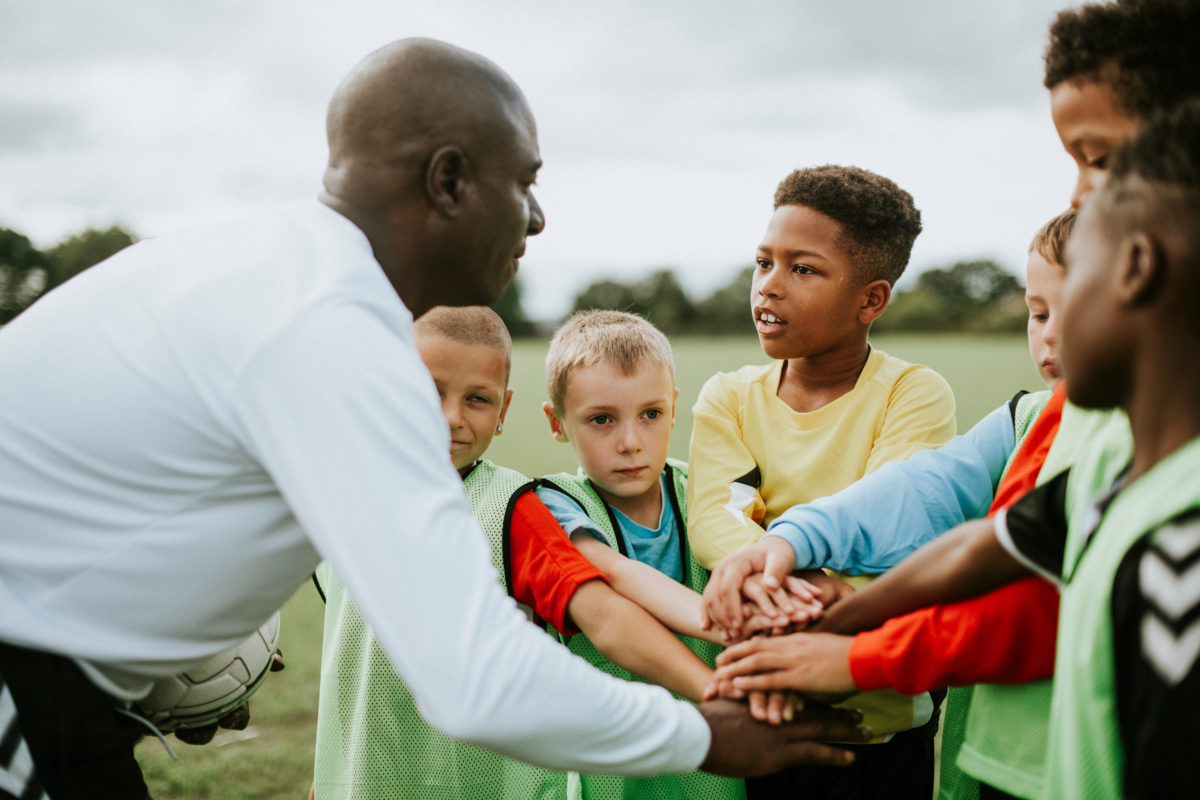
x,y
753,457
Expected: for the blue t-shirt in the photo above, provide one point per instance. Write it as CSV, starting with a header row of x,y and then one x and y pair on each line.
x,y
659,547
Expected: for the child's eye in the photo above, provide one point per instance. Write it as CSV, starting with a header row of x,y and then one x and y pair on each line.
x,y
803,270
600,419
762,263
478,398
653,413
1040,317
1099,162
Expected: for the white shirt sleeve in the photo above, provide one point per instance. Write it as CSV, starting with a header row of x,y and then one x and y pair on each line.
x,y
342,414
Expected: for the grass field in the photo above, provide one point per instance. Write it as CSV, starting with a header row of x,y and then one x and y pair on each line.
x,y
273,757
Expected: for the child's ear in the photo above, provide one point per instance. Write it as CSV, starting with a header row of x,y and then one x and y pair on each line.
x,y
508,393
875,297
1142,269
674,398
556,426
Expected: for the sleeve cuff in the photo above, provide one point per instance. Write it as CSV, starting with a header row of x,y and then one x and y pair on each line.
x,y
866,666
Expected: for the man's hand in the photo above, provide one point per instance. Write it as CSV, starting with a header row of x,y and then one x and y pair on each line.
x,y
814,664
235,720
744,748
722,605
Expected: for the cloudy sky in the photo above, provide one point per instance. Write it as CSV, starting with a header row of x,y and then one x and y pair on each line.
x,y
664,124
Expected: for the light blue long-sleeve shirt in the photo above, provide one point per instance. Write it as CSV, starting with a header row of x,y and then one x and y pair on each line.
x,y
875,522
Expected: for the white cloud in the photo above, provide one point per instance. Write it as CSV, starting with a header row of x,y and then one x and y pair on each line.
x,y
664,126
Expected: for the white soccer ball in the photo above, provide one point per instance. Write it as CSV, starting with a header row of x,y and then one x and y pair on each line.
x,y
210,690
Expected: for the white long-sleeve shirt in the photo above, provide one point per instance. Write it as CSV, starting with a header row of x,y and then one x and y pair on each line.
x,y
189,427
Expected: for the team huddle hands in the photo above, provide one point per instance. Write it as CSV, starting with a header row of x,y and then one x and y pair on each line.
x,y
765,610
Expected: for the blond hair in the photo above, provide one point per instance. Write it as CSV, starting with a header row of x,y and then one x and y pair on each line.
x,y
1051,239
617,338
472,325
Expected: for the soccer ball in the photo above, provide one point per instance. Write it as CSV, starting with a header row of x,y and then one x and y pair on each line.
x,y
211,689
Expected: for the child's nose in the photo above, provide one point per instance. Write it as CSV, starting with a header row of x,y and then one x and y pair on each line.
x,y
769,285
452,413
630,441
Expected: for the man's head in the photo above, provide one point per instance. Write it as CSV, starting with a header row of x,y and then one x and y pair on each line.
x,y
1133,262
838,240
433,154
1111,65
1043,294
610,378
468,352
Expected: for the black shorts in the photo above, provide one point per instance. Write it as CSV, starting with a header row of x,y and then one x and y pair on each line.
x,y
79,744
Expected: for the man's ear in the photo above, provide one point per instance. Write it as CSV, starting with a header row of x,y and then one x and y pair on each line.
x,y
875,298
446,180
556,426
1142,268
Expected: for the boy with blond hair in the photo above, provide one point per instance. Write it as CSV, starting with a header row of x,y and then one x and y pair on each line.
x,y
610,377
825,411
371,739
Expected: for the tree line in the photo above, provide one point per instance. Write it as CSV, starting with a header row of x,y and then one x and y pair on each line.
x,y
972,296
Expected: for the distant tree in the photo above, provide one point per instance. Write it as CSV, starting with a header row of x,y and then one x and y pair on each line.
x,y
727,309
75,254
512,311
662,300
658,297
968,296
24,274
605,294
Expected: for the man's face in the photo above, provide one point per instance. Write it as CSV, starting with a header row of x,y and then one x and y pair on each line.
x,y
1090,124
506,212
1094,344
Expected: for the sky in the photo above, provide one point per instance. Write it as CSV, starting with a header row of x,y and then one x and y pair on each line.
x,y
664,125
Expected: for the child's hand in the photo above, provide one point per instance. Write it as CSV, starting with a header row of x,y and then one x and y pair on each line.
x,y
814,664
722,604
830,589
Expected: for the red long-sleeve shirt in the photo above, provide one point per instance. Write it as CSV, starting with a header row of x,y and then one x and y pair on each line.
x,y
1006,636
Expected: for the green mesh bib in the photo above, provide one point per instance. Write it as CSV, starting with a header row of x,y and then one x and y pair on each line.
x,y
372,744
691,786
954,784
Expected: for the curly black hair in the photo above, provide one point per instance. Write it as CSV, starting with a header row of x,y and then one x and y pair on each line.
x,y
1145,49
879,221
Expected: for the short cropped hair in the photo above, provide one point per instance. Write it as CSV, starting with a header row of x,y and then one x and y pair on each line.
x,y
473,325
1051,239
1146,50
879,221
1155,178
617,338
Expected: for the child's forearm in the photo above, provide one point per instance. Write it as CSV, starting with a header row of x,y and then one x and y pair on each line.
x,y
630,637
966,562
674,605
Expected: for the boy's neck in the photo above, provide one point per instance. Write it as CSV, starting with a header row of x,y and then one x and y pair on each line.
x,y
812,382
645,509
1163,402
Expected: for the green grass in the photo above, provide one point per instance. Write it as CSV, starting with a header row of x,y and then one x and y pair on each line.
x,y
273,758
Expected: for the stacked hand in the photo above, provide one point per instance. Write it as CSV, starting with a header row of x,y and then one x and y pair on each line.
x,y
755,591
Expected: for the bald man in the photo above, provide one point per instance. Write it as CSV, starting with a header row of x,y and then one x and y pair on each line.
x,y
187,429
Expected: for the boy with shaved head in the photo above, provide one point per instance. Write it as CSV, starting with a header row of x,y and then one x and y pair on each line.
x,y
233,404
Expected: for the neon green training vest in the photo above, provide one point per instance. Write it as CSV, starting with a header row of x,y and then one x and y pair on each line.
x,y
1085,758
693,785
372,744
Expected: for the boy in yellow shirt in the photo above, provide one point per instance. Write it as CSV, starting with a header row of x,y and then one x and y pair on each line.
x,y
827,410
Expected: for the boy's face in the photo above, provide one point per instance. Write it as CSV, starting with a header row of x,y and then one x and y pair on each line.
x,y
1094,340
804,296
1090,124
472,385
1043,296
619,426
